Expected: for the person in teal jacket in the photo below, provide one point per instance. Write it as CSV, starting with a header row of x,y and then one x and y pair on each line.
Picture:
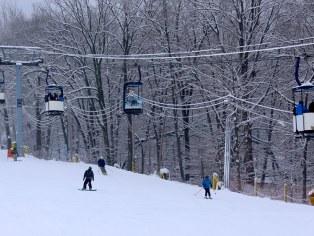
x,y
207,183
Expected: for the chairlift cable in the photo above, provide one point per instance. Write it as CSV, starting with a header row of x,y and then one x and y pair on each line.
x,y
174,56
184,105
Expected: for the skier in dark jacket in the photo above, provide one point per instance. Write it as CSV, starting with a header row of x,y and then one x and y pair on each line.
x,y
207,183
101,164
88,177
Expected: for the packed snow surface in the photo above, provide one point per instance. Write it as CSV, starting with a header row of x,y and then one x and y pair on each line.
x,y
41,198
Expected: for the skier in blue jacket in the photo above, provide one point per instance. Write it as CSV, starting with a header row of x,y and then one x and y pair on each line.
x,y
207,183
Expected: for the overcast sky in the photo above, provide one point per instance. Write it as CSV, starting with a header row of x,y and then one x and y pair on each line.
x,y
25,5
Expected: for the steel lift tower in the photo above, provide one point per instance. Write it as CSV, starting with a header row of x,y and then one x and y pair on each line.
x,y
19,56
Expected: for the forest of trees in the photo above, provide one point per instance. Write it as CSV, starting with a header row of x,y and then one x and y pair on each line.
x,y
202,61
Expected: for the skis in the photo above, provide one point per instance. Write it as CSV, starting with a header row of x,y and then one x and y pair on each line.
x,y
87,189
207,197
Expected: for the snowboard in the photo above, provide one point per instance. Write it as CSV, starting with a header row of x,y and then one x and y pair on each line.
x,y
87,189
207,197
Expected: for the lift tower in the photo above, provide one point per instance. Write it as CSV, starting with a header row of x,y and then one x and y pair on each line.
x,y
19,56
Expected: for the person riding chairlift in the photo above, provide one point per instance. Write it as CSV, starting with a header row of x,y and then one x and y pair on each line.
x,y
50,96
55,97
300,109
311,106
61,98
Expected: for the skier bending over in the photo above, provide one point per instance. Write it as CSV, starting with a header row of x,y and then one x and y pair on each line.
x,y
207,183
88,177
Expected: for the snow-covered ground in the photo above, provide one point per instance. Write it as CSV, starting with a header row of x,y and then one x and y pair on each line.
x,y
41,198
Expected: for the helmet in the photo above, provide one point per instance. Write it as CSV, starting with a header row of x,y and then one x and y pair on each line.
x,y
90,168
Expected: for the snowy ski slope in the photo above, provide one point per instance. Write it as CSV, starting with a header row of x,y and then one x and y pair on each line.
x,y
41,198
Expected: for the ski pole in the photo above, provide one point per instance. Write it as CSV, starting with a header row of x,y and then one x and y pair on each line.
x,y
198,192
214,191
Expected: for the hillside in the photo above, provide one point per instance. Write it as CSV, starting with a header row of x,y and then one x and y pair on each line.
x,y
41,198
